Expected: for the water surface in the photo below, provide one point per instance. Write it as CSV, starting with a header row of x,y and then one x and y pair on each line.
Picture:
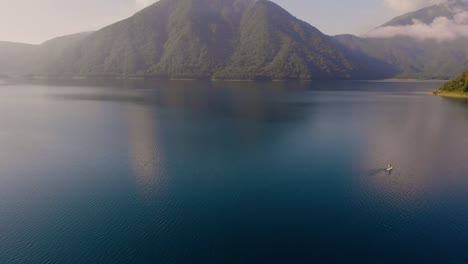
x,y
193,172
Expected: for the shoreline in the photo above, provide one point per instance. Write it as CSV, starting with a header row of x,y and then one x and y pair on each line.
x,y
410,80
452,95
146,78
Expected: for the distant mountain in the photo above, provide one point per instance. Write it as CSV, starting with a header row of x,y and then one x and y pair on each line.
x,y
196,39
459,85
26,59
427,15
413,56
15,57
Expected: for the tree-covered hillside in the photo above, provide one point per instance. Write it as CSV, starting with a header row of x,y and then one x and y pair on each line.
x,y
276,45
413,58
459,85
197,39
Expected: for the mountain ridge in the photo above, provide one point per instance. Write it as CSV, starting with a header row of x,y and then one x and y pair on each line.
x,y
226,39
427,15
203,39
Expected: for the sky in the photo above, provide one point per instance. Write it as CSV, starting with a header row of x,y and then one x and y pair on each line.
x,y
35,21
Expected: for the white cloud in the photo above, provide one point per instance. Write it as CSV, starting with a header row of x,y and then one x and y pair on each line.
x,y
441,29
409,5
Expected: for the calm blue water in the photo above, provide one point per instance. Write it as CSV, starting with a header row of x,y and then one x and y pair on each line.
x,y
190,172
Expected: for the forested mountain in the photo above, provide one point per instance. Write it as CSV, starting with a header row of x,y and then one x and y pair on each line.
x,y
238,39
458,85
221,39
272,43
414,58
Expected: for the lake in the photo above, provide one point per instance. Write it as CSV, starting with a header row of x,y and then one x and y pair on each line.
x,y
198,172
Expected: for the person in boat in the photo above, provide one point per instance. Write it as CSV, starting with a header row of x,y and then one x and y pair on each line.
x,y
389,168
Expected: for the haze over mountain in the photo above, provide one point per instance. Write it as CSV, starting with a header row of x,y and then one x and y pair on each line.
x,y
428,43
446,21
447,9
224,39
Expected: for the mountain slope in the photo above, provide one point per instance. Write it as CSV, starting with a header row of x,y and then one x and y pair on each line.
x,y
160,40
459,85
26,59
276,45
413,58
212,39
224,39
